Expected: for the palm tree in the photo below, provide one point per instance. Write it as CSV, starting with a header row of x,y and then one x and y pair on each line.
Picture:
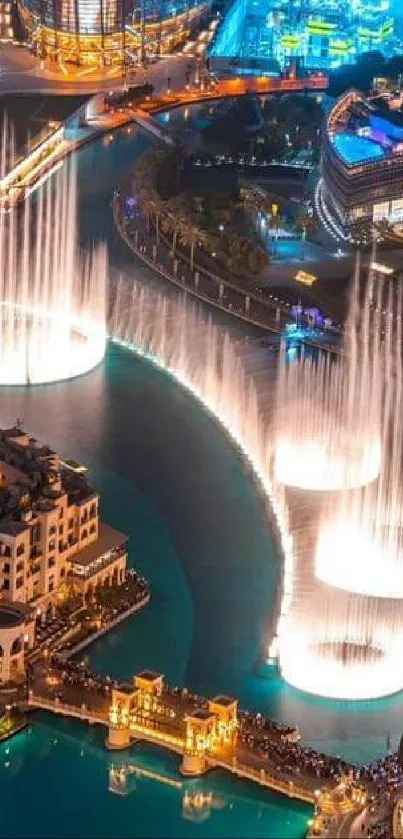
x,y
174,219
254,202
170,226
190,234
153,209
238,253
146,208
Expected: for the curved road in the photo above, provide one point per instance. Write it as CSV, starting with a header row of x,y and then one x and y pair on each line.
x,y
20,73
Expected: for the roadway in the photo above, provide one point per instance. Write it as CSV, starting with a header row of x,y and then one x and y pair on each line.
x,y
20,72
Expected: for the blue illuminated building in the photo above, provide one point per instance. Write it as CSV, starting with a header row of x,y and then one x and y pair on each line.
x,y
264,36
361,164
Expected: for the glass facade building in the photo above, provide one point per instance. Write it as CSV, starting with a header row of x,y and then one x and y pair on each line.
x,y
362,163
107,33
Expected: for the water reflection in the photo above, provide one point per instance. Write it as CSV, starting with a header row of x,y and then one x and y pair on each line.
x,y
89,792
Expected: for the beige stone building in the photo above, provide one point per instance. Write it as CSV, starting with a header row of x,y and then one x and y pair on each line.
x,y
17,633
51,539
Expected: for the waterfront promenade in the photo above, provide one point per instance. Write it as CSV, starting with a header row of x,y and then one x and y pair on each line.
x,y
207,734
48,153
270,314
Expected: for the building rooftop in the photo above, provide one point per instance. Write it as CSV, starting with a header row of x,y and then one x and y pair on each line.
x,y
148,675
13,614
108,538
201,715
225,701
34,477
127,689
13,433
11,474
365,131
354,149
12,527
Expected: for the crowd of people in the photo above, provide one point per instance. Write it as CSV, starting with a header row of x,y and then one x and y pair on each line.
x,y
259,724
52,627
380,830
75,674
291,759
385,771
112,602
105,605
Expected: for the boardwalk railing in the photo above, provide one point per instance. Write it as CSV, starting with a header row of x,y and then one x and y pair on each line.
x,y
192,282
79,711
262,777
177,744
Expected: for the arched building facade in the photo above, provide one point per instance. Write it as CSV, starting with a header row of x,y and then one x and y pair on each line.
x,y
17,631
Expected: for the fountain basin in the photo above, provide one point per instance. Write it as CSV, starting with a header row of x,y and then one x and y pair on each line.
x,y
40,346
359,558
352,669
314,464
52,294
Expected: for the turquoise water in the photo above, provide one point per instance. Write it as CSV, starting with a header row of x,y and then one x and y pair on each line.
x,y
354,149
57,781
170,480
156,458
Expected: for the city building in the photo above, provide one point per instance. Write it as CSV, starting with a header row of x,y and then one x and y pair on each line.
x,y
361,163
265,36
52,543
117,33
17,634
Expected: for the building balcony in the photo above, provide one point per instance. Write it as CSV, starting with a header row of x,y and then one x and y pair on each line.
x,y
109,547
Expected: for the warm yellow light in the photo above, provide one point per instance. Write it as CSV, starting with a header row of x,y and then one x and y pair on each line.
x,y
305,278
382,269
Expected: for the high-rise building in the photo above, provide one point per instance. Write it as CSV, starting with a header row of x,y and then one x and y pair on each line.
x,y
361,164
108,33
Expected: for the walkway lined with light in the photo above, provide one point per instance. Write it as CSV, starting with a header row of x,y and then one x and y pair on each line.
x,y
205,733
29,173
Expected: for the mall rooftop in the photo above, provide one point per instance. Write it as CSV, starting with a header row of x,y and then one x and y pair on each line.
x,y
367,131
361,164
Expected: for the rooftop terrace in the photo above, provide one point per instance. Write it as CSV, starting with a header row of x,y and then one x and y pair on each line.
x,y
354,149
33,478
363,131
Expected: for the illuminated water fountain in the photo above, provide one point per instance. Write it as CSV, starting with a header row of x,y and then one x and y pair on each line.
x,y
360,542
344,631
180,339
326,438
328,640
52,298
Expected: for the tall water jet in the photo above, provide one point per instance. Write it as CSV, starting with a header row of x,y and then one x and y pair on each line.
x,y
360,541
325,437
52,297
329,641
344,629
178,337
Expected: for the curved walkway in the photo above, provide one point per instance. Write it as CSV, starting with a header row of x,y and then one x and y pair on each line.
x,y
202,284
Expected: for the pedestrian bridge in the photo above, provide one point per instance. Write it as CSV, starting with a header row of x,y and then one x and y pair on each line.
x,y
203,732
